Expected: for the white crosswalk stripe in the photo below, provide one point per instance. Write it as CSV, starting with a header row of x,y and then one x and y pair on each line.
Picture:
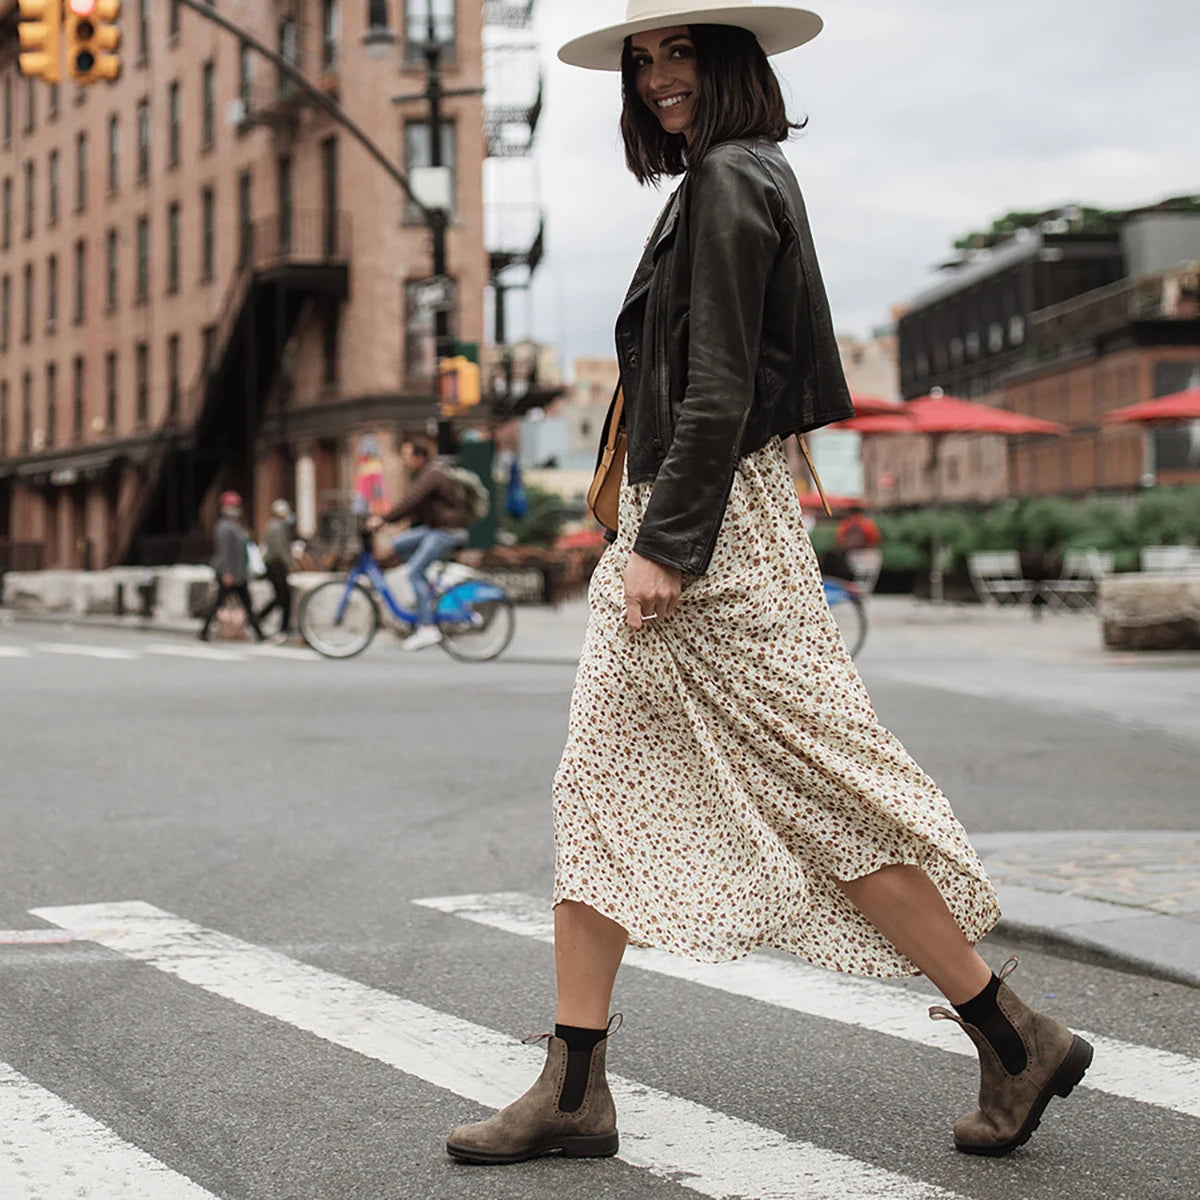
x,y
182,650
1141,1073
706,1151
49,1150
77,648
14,652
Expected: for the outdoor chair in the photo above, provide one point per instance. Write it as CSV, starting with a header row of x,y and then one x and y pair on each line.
x,y
1171,560
998,578
865,565
1079,585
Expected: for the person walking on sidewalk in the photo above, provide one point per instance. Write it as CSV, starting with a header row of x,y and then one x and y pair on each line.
x,y
726,784
438,507
231,563
277,556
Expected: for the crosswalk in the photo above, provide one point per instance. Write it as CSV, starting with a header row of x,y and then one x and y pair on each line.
x,y
241,652
50,1150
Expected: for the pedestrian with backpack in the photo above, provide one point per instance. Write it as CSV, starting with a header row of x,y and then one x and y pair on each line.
x,y
442,501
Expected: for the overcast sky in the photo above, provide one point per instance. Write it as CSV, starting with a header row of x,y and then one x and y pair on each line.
x,y
927,119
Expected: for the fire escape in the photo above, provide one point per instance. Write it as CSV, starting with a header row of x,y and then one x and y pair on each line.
x,y
291,266
516,222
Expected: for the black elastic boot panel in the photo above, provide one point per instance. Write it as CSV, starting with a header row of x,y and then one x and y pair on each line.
x,y
580,1044
984,1013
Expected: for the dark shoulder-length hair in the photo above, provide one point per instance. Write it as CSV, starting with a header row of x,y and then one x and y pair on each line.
x,y
739,98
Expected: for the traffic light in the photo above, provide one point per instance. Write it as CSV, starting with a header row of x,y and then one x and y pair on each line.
x,y
92,40
39,33
458,385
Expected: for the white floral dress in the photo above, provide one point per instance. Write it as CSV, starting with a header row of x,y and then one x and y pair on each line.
x,y
724,766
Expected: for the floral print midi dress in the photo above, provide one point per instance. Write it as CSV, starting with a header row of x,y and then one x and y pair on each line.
x,y
724,766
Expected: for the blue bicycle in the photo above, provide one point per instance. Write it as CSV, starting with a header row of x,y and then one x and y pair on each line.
x,y
845,602
340,618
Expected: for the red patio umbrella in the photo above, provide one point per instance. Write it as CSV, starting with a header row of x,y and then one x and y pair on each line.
x,y
813,500
1175,409
938,416
867,406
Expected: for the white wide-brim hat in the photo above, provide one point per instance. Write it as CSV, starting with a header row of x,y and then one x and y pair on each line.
x,y
778,27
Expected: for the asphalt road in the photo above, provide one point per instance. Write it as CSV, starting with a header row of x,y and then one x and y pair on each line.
x,y
300,808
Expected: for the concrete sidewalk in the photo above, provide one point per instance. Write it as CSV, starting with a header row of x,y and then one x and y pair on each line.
x,y
1127,899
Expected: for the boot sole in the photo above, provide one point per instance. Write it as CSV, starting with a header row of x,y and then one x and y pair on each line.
x,y
599,1145
1062,1083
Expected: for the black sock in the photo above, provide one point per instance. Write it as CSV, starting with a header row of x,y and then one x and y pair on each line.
x,y
580,1044
984,1013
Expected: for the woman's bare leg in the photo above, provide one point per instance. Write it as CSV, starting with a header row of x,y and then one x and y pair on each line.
x,y
905,906
587,952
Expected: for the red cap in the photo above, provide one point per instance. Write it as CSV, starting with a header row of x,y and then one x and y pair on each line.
x,y
230,500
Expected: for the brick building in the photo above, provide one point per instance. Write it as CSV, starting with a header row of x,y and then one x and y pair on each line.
x,y
205,282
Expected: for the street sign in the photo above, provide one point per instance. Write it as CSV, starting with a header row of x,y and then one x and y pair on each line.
x,y
432,294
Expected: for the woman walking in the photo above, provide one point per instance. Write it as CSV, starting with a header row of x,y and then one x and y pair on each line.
x,y
726,784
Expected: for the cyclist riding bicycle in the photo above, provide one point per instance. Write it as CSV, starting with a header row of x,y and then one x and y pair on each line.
x,y
440,510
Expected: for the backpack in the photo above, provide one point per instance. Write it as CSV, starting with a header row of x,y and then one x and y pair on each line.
x,y
474,496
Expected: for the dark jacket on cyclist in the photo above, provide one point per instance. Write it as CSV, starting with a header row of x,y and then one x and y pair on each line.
x,y
433,500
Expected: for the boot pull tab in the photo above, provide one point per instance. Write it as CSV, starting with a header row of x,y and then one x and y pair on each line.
x,y
938,1013
614,1023
534,1038
1008,968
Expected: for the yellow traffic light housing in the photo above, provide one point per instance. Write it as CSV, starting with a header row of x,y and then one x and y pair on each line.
x,y
458,383
93,38
40,32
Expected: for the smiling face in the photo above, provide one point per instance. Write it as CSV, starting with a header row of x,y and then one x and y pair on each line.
x,y
664,63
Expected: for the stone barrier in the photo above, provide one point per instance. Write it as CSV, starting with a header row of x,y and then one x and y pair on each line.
x,y
1151,612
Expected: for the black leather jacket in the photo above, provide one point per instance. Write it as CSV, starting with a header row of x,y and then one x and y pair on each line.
x,y
724,341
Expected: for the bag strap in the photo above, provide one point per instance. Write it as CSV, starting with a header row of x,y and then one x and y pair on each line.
x,y
812,470
618,412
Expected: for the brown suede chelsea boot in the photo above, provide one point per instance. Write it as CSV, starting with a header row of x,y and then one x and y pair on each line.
x,y
534,1125
1011,1106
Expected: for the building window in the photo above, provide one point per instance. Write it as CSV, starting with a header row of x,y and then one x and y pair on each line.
x,y
77,405
142,376
8,111
143,31
3,418
81,175
1016,330
110,391
80,308
208,251
27,318
30,104
143,140
52,293
111,250
174,22
208,348
142,278
51,404
331,32
995,337
973,344
29,198
245,77
5,311
285,202
52,187
416,29
245,217
173,376
52,112
208,96
114,153
6,216
173,249
26,413
289,48
173,122
418,146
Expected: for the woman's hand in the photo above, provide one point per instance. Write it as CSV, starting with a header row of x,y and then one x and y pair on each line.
x,y
651,590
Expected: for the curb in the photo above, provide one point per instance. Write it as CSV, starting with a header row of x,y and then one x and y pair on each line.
x,y
1102,934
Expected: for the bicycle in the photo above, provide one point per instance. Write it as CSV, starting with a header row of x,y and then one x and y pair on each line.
x,y
846,604
339,618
